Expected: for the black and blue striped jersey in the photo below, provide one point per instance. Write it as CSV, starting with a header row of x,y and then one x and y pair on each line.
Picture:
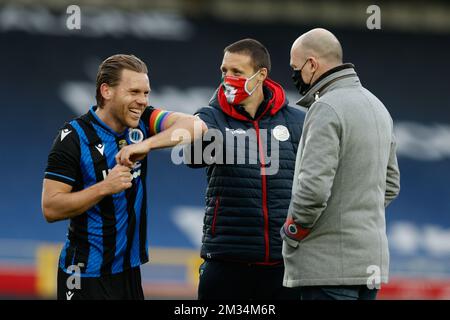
x,y
111,236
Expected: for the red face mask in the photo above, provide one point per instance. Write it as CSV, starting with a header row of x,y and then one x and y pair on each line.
x,y
235,88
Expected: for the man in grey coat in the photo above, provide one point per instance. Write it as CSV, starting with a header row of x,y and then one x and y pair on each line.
x,y
334,238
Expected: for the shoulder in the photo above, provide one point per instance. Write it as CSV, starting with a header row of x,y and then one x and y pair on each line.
x,y
295,112
151,113
208,110
147,113
68,134
340,98
67,140
211,116
322,115
153,119
63,163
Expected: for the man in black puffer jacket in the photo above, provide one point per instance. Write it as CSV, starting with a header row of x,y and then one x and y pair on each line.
x,y
249,183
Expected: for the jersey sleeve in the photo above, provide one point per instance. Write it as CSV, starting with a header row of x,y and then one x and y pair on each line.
x,y
63,162
155,120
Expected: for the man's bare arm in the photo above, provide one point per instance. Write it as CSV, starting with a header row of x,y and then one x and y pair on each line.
x,y
191,126
60,203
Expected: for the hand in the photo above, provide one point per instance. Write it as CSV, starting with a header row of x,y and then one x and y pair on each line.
x,y
128,155
293,230
117,180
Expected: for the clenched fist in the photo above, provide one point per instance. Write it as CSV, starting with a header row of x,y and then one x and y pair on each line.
x,y
117,180
128,155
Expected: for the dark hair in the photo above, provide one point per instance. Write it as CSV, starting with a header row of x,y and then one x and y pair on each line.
x,y
258,53
110,71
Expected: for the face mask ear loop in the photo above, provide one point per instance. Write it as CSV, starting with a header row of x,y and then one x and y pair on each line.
x,y
303,67
312,76
300,74
246,81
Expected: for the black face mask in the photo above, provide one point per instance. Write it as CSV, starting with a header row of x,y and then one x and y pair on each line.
x,y
301,86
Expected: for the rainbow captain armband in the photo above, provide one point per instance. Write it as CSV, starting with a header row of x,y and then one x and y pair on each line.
x,y
293,230
157,121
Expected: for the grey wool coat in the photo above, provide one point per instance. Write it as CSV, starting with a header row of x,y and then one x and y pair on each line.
x,y
346,173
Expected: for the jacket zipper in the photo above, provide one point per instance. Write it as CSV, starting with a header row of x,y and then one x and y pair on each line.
x,y
264,192
216,209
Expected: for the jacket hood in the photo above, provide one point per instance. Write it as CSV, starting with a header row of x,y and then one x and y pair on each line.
x,y
321,85
276,102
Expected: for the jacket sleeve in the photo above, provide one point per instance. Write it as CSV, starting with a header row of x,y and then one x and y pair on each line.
x,y
392,176
318,164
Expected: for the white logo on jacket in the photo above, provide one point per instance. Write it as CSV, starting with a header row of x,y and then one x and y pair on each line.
x,y
281,133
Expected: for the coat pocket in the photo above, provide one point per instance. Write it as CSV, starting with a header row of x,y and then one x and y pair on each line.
x,y
214,221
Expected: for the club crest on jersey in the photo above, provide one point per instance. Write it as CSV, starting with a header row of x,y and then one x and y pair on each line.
x,y
135,135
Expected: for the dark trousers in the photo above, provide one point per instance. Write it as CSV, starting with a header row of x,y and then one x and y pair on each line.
x,y
121,286
239,281
338,293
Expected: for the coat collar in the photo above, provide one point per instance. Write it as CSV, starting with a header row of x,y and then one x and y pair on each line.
x,y
324,82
